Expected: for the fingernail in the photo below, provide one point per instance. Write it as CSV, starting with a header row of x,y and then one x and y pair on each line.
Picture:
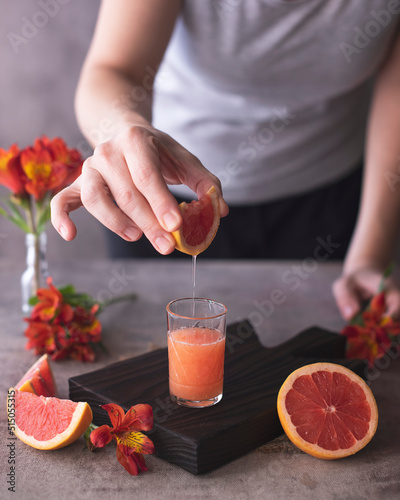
x,y
62,230
170,221
163,244
131,233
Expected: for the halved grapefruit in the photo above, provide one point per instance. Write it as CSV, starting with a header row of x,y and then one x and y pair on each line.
x,y
46,423
200,223
38,379
327,410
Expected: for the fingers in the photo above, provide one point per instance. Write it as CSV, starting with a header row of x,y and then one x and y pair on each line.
x,y
143,160
347,297
191,171
393,300
124,185
129,190
361,285
62,204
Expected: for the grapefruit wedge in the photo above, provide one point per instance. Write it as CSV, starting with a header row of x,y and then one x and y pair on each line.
x,y
38,379
200,223
47,423
327,410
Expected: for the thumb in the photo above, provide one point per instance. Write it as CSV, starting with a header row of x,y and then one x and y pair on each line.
x,y
346,297
62,204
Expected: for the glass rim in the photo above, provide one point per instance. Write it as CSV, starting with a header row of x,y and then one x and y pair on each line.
x,y
204,299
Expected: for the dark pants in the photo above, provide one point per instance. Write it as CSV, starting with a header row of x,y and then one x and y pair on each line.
x,y
291,228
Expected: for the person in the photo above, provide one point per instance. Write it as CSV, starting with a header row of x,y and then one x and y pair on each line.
x,y
283,100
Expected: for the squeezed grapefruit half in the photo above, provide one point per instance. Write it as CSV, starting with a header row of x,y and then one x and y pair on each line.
x,y
47,423
200,223
327,410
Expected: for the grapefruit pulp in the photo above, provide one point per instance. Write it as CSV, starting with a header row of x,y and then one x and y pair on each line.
x,y
327,410
200,223
47,423
38,379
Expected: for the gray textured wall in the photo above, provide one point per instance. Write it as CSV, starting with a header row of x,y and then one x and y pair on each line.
x,y
40,59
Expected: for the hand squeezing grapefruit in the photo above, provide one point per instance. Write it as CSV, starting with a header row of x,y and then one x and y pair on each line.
x,y
327,410
200,223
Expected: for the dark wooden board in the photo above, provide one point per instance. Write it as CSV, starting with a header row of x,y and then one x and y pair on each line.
x,y
200,440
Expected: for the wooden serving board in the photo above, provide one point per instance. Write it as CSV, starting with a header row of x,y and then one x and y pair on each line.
x,y
202,439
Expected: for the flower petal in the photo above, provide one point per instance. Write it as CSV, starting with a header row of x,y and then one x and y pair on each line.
x,y
131,461
101,436
139,418
116,414
137,442
378,304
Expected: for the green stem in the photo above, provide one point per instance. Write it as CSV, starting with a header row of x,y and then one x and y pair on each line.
x,y
115,300
33,229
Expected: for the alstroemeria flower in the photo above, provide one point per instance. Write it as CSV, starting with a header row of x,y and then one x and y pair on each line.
x,y
51,305
11,173
69,157
43,175
60,329
131,444
41,337
49,166
375,334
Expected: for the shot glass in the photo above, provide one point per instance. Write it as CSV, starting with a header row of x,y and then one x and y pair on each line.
x,y
196,351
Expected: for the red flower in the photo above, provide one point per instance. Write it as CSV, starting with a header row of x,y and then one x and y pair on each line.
x,y
131,444
374,335
51,304
71,158
11,173
49,166
61,330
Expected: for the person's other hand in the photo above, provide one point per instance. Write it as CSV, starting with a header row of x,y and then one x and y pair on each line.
x,y
353,288
133,170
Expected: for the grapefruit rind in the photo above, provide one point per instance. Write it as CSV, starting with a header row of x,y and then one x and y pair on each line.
x,y
181,244
314,449
80,421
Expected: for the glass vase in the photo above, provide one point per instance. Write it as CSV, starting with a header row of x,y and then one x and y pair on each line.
x,y
36,272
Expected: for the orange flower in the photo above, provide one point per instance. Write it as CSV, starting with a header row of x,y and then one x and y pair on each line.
x,y
11,173
131,444
62,329
49,166
69,157
51,304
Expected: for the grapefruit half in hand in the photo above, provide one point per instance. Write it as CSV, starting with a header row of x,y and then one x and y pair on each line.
x,y
46,423
200,223
327,410
38,379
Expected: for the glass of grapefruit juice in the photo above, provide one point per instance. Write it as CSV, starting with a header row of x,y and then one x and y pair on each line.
x,y
196,351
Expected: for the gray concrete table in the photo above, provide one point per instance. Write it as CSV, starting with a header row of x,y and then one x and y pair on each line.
x,y
274,471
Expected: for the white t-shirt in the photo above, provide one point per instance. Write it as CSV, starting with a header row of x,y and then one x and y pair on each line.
x,y
273,95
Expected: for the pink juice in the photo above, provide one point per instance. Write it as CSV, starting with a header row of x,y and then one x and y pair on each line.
x,y
196,363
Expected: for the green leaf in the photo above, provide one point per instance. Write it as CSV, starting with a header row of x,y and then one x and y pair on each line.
x,y
43,218
14,208
67,289
20,223
357,320
33,301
